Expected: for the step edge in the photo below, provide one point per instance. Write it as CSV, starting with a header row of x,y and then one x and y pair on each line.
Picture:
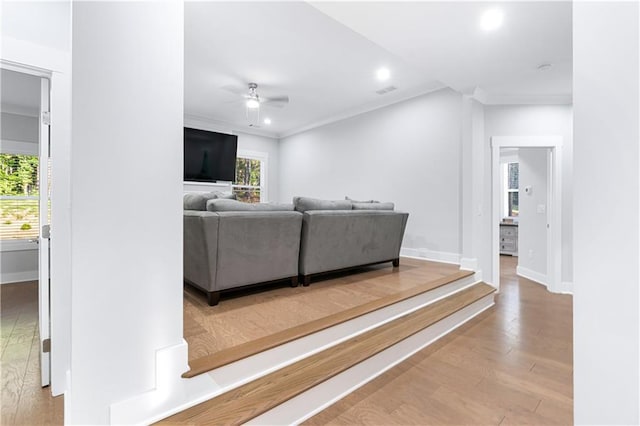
x,y
488,290
211,362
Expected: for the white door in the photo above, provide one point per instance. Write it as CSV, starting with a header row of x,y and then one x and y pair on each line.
x,y
43,239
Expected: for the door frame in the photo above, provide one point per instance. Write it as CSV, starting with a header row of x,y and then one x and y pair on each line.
x,y
554,203
44,319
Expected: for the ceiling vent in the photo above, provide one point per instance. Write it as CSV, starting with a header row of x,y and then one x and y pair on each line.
x,y
386,90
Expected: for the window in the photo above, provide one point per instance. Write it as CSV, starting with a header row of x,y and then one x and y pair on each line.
x,y
19,191
250,183
511,184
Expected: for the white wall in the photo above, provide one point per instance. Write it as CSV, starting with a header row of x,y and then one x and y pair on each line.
x,y
250,142
127,200
532,120
606,308
532,224
408,153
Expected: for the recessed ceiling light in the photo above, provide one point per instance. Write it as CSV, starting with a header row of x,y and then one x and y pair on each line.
x,y
544,67
491,19
383,74
267,121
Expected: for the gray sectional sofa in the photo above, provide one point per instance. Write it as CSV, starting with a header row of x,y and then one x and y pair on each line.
x,y
229,244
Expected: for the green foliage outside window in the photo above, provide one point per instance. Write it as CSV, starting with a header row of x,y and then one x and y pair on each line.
x,y
247,183
19,188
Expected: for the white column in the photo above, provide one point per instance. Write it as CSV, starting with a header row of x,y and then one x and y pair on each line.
x,y
606,241
126,206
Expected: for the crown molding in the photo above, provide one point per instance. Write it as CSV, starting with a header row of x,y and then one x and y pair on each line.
x,y
223,126
491,99
353,112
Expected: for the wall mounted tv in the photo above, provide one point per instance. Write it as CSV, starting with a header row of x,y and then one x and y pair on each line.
x,y
209,156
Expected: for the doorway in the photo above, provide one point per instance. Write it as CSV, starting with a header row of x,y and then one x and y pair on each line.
x,y
550,212
24,196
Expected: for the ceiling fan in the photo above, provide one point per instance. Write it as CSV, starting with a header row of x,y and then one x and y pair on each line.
x,y
253,100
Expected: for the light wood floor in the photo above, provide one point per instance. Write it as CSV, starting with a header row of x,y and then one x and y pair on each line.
x,y
249,316
511,365
24,401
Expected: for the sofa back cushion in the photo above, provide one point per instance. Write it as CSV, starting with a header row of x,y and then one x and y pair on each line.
x,y
198,200
372,206
223,205
303,204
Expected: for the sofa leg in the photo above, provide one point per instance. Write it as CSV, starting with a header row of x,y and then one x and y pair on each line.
x,y
306,280
294,281
396,262
213,297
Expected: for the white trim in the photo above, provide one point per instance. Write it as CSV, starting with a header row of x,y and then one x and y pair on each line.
x,y
13,147
554,212
566,287
426,254
531,275
18,245
316,399
149,408
353,112
18,277
191,120
469,264
485,98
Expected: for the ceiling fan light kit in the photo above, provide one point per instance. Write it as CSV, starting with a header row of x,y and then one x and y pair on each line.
x,y
253,102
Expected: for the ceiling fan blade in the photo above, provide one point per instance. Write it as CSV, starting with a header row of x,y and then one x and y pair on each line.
x,y
236,90
276,101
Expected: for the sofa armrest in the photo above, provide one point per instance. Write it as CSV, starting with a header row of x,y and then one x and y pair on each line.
x,y
200,248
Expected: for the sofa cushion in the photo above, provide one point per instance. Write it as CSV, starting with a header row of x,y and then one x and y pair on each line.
x,y
224,205
198,200
372,206
302,204
359,201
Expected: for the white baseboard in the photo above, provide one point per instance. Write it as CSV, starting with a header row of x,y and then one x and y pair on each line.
x,y
532,275
18,277
169,390
566,287
435,256
469,263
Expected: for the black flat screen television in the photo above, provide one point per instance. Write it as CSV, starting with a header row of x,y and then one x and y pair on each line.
x,y
209,156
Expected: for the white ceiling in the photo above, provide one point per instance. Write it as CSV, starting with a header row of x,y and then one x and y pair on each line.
x,y
324,56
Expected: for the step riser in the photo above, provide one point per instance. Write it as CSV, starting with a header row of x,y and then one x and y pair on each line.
x,y
311,402
209,385
206,386
246,370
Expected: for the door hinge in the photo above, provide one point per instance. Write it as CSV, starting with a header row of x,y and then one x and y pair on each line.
x,y
46,118
46,345
46,231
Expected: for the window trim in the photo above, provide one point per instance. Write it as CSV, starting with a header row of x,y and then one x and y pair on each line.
x,y
263,157
504,163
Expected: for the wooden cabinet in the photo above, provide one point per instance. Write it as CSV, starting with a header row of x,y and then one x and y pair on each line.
x,y
509,238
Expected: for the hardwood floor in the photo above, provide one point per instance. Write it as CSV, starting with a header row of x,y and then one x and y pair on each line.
x,y
242,404
511,365
24,401
255,315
